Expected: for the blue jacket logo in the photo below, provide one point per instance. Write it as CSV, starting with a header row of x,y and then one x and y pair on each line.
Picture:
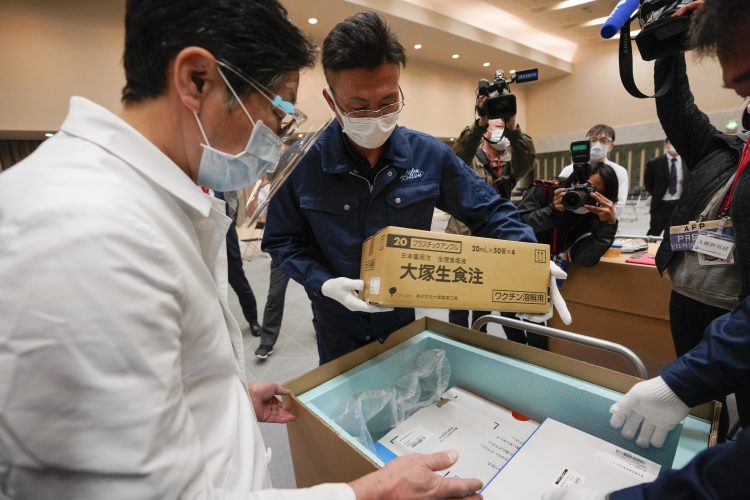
x,y
411,174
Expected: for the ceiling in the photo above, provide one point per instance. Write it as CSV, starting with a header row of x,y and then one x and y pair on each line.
x,y
507,34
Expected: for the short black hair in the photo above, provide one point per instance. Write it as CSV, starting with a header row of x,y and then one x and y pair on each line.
x,y
714,26
254,36
363,40
601,129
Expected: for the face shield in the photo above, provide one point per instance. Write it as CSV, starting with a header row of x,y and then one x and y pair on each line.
x,y
297,139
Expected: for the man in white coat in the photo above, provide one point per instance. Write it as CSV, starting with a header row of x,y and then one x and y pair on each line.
x,y
121,367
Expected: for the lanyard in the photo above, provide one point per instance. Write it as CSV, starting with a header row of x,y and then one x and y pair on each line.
x,y
744,159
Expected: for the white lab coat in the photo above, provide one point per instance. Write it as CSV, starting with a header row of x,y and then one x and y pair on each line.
x,y
121,367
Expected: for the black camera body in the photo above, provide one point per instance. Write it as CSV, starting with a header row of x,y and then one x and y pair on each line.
x,y
663,37
578,196
500,102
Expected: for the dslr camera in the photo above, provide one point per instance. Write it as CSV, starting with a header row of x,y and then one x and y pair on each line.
x,y
500,102
580,194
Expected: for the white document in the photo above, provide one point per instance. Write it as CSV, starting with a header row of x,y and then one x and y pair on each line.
x,y
484,434
558,455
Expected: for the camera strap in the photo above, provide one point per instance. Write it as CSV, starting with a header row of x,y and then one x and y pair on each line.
x,y
626,68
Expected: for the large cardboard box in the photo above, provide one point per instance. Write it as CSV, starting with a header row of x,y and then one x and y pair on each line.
x,y
536,383
412,268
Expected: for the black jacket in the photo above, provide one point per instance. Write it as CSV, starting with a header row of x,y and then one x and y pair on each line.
x,y
584,235
711,158
656,179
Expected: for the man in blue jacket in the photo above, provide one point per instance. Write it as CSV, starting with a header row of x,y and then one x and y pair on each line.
x,y
366,173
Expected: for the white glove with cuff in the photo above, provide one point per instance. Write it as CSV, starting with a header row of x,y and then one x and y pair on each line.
x,y
344,291
556,300
652,406
573,493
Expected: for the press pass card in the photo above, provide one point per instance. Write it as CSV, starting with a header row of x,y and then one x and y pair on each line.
x,y
682,238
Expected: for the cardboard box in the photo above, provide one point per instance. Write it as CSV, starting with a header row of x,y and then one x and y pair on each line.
x,y
412,268
484,434
536,383
559,456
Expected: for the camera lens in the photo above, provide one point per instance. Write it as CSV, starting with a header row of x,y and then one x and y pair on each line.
x,y
574,199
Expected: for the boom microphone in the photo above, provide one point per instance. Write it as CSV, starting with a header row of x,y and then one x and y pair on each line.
x,y
619,16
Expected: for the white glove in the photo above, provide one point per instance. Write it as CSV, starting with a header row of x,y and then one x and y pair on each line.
x,y
556,299
652,403
344,291
573,493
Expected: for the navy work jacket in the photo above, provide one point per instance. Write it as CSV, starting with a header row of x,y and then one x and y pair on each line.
x,y
718,366
329,206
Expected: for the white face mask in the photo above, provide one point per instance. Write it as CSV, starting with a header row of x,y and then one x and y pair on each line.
x,y
599,151
223,172
498,141
369,133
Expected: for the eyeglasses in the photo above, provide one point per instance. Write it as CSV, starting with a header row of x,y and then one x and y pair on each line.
x,y
369,113
602,138
289,116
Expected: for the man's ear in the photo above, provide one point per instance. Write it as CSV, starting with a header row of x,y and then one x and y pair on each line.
x,y
193,74
329,100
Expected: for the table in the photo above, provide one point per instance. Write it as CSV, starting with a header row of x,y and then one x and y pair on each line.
x,y
621,302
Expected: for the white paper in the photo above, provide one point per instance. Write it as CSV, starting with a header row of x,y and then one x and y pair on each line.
x,y
484,434
375,286
709,244
558,455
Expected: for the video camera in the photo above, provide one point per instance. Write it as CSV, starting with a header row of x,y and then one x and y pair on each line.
x,y
580,194
500,102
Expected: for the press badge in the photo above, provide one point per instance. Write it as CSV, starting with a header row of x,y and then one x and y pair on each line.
x,y
714,248
683,237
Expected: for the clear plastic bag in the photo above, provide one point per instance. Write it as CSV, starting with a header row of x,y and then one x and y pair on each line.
x,y
371,414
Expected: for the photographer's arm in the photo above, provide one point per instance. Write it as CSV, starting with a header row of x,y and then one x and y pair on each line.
x,y
467,143
588,250
687,127
535,211
523,151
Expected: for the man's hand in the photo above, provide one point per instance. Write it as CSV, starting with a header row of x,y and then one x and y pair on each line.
x,y
605,210
686,9
414,477
481,109
267,406
344,291
652,406
557,201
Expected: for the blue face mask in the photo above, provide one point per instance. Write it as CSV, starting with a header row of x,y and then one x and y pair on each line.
x,y
222,171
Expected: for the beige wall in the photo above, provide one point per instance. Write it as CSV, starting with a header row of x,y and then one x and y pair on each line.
x,y
69,48
51,50
593,94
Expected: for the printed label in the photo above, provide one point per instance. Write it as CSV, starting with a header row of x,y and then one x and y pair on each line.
x,y
568,477
413,438
682,238
426,244
629,462
714,245
518,297
374,286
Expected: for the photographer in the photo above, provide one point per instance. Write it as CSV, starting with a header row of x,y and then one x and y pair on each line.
x,y
584,233
500,154
700,292
602,138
